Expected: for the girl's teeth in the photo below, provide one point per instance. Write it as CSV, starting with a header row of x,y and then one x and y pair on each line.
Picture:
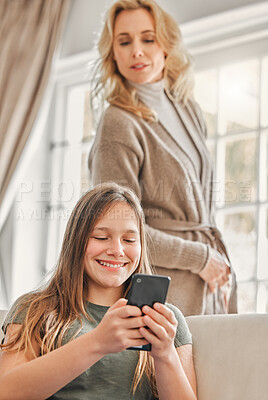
x,y
105,264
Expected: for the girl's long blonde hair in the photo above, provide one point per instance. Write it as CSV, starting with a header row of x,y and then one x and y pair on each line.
x,y
178,75
52,308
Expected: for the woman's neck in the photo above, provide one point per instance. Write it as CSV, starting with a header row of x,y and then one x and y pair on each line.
x,y
152,94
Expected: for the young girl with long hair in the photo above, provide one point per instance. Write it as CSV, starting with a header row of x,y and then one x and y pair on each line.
x,y
69,338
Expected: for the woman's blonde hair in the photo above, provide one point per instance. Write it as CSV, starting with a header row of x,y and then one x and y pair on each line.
x,y
178,75
52,308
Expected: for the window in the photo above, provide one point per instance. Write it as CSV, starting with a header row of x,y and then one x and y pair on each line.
x,y
71,140
234,98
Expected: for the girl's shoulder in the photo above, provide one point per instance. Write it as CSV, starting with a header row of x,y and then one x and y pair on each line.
x,y
177,312
183,334
17,312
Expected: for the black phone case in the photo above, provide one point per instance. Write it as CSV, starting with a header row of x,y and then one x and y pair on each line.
x,y
147,290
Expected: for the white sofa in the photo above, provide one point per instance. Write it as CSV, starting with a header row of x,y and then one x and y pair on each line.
x,y
230,355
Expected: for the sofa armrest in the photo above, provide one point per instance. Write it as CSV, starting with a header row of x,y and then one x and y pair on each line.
x,y
230,356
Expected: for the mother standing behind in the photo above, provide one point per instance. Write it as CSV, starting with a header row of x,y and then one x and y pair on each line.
x,y
151,138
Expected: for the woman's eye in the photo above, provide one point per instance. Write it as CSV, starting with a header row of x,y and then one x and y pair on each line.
x,y
124,43
149,40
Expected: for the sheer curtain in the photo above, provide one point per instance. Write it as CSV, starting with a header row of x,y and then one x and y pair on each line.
x,y
29,31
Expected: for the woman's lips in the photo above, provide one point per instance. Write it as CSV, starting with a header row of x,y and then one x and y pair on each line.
x,y
139,67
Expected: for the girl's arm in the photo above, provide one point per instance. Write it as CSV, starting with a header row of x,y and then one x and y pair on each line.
x,y
174,369
175,376
38,378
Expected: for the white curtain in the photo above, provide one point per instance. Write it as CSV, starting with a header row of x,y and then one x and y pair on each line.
x,y
29,31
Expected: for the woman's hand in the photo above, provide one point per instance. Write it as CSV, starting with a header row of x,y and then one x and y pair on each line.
x,y
216,272
162,326
119,328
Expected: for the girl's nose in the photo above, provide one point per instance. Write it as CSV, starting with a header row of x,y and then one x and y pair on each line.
x,y
115,249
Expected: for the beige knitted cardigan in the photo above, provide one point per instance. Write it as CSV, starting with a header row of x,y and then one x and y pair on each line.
x,y
178,207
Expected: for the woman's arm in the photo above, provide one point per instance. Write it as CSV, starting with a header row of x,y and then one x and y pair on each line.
x,y
38,378
175,375
118,162
114,161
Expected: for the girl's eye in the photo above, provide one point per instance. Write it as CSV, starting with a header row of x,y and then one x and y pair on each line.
x,y
149,40
99,238
130,240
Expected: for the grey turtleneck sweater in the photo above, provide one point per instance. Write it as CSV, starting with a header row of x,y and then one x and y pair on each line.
x,y
154,96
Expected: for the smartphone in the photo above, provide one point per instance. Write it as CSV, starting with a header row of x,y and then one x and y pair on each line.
x,y
147,290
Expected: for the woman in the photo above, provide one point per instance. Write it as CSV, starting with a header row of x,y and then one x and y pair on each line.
x,y
152,139
68,340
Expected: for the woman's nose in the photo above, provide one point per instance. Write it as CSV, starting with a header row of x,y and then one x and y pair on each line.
x,y
116,249
137,50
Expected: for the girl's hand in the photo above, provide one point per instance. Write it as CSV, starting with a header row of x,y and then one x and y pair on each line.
x,y
117,330
162,326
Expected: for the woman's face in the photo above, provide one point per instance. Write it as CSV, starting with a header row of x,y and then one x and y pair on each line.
x,y
113,251
138,56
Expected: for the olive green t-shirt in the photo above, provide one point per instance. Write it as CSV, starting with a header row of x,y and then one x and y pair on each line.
x,y
111,377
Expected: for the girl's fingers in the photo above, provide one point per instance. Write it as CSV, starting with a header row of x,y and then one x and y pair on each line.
x,y
119,303
161,314
162,309
155,333
157,330
122,310
129,311
149,336
135,334
136,322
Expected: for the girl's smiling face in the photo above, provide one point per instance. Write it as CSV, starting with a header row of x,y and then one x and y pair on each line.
x,y
113,251
138,56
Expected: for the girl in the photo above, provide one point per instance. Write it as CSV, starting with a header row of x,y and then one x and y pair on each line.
x,y
151,138
68,340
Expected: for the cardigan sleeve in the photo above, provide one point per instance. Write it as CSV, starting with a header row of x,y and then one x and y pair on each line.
x,y
117,157
173,252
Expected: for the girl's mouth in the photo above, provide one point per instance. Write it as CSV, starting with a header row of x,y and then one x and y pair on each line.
x,y
111,264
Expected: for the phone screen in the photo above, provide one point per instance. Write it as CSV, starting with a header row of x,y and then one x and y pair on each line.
x,y
147,290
